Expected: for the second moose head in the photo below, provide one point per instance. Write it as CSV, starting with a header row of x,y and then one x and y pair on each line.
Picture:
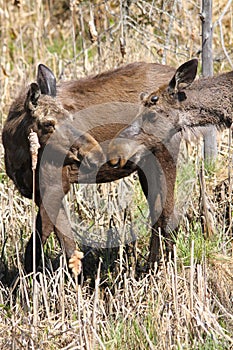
x,y
172,108
158,119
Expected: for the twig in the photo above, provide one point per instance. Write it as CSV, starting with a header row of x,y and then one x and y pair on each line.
x,y
219,22
191,276
96,302
168,36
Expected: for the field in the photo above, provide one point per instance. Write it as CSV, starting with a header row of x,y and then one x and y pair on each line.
x,y
183,304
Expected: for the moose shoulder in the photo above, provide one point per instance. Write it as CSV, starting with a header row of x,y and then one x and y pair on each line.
x,y
150,138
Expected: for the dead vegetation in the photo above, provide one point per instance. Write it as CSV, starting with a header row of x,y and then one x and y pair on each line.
x,y
188,303
181,306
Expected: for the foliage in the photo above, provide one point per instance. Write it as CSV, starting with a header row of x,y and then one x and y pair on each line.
x,y
186,304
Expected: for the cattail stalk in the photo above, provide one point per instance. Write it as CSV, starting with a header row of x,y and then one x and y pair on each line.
x,y
34,146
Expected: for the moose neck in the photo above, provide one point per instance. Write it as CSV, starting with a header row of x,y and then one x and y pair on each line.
x,y
210,101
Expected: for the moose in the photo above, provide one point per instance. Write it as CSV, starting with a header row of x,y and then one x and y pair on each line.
x,y
45,107
96,109
154,137
41,113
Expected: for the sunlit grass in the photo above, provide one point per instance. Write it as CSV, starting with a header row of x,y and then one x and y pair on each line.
x,y
186,304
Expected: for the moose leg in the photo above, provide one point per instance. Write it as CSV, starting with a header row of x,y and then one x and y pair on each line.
x,y
44,227
157,176
63,231
150,177
54,184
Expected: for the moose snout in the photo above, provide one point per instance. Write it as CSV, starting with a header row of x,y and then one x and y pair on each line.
x,y
91,155
94,158
117,162
121,150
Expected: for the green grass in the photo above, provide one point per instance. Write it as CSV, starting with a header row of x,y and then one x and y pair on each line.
x,y
203,248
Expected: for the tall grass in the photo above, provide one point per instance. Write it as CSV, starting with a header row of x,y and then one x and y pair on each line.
x,y
176,308
187,304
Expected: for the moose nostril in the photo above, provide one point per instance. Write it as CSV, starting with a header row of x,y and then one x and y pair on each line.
x,y
114,163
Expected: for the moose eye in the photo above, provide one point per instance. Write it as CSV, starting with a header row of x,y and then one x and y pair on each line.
x,y
47,124
154,99
150,117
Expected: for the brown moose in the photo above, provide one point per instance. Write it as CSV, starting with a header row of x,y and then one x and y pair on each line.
x,y
35,111
46,108
153,138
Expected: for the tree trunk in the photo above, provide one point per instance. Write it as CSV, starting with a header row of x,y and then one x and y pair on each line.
x,y
210,139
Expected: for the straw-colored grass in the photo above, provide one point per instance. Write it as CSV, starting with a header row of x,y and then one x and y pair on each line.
x,y
186,304
186,307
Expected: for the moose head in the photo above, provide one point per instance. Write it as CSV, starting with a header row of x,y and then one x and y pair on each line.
x,y
160,117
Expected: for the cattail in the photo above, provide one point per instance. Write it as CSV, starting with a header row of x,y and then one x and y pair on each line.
x,y
34,146
75,263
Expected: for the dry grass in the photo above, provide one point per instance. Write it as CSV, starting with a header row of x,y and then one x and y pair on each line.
x,y
176,308
186,305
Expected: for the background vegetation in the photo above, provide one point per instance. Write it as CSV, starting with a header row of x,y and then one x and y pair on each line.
x,y
186,304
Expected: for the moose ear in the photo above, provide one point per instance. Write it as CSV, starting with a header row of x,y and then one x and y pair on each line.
x,y
46,81
184,76
32,96
143,96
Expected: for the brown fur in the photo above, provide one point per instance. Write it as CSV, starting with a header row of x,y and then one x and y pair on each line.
x,y
164,113
120,85
123,84
43,119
